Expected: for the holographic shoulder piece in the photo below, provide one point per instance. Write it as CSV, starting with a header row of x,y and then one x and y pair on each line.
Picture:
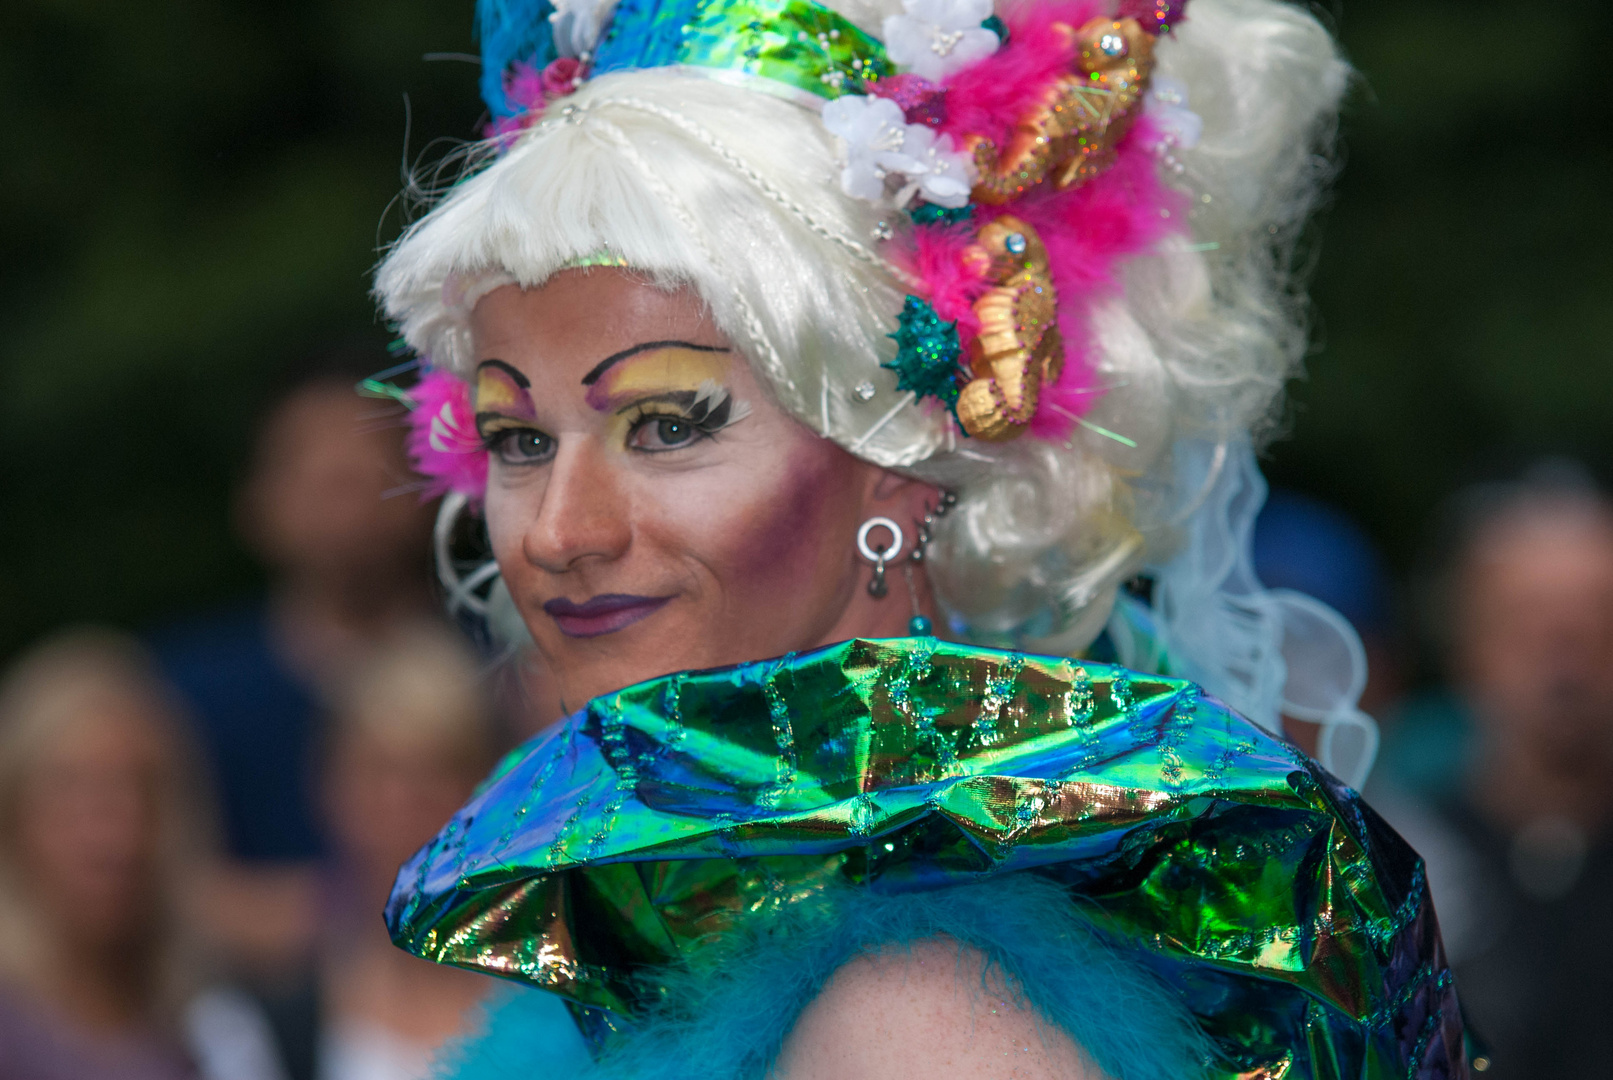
x,y
794,43
1295,925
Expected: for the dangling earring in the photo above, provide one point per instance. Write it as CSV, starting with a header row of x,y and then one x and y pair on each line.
x,y
918,625
877,588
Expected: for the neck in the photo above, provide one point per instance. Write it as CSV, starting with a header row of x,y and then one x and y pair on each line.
x,y
352,599
369,979
907,594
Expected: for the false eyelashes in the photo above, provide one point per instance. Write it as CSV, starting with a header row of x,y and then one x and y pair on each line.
x,y
708,408
714,407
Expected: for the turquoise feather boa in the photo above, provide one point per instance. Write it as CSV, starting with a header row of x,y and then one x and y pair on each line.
x,y
728,1017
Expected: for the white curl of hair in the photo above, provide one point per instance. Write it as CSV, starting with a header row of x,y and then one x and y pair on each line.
x,y
735,193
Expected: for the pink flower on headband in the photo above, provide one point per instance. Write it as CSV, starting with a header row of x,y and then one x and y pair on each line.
x,y
562,77
922,101
443,444
531,91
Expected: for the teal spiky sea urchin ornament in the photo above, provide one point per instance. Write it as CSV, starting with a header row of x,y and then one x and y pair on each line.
x,y
930,214
927,353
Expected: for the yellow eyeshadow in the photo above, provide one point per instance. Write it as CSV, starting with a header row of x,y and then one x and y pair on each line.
x,y
659,372
490,423
498,392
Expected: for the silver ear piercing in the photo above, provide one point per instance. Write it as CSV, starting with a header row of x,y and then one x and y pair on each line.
x,y
885,553
881,555
949,499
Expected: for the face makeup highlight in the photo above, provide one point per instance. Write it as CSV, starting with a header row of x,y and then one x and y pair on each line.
x,y
675,389
665,394
501,390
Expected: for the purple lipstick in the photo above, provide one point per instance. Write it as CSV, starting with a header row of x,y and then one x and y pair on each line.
x,y
603,614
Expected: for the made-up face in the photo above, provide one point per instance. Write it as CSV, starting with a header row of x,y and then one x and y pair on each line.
x,y
651,508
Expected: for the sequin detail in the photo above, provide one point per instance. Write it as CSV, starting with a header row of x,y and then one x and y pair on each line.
x,y
927,353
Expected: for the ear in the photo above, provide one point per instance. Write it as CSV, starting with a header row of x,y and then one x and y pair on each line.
x,y
904,500
894,492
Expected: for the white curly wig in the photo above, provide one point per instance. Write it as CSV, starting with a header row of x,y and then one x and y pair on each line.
x,y
694,182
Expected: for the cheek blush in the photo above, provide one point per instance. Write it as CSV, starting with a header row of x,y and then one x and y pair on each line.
x,y
791,524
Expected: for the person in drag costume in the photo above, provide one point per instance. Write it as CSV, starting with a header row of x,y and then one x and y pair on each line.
x,y
861,400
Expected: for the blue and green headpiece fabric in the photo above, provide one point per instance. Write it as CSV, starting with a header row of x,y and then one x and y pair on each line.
x,y
793,45
1290,921
511,32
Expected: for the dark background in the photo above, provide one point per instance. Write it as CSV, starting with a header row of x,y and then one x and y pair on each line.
x,y
193,192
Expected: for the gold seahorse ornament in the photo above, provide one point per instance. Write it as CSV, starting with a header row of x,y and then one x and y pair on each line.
x,y
1069,134
1064,139
1018,348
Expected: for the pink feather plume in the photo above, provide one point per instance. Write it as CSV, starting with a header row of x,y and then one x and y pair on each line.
x,y
443,444
988,96
1122,212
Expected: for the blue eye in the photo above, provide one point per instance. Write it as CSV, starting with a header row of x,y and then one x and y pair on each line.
x,y
521,446
658,433
673,432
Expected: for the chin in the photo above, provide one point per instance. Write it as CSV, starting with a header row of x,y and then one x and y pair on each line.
x,y
587,668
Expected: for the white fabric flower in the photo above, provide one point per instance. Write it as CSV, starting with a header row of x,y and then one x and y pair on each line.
x,y
1167,107
937,37
874,130
881,144
933,169
577,25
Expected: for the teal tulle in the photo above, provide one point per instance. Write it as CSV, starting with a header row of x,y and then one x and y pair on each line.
x,y
729,1016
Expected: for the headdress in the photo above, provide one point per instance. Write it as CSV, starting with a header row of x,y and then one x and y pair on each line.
x,y
1016,148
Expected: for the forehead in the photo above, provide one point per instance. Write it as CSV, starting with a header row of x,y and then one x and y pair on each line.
x,y
592,312
1532,529
107,730
314,415
1564,554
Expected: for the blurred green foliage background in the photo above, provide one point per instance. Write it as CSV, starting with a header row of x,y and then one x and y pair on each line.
x,y
194,192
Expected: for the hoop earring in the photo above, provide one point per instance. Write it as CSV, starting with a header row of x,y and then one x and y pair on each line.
x,y
877,588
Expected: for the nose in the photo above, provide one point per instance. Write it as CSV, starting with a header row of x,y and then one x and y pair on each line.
x,y
581,516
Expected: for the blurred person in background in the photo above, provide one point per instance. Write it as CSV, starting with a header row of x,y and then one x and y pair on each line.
x,y
104,832
411,736
348,564
1508,790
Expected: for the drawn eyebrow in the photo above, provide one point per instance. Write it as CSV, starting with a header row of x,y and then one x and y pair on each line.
x,y
520,380
615,358
683,398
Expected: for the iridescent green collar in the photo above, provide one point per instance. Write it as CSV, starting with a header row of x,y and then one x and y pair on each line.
x,y
662,814
793,43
